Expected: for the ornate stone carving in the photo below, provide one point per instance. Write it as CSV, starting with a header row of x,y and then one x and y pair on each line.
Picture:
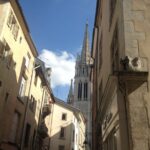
x,y
131,64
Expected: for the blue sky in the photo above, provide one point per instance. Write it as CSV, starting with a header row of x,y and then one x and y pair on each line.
x,y
57,28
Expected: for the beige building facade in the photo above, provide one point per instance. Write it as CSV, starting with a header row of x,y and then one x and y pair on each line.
x,y
67,127
23,82
120,75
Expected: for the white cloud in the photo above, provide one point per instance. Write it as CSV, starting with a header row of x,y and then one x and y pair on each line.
x,y
62,64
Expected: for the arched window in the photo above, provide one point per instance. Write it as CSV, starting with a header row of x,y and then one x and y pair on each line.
x,y
85,90
79,90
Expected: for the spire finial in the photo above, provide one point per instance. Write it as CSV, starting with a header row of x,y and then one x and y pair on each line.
x,y
85,48
87,22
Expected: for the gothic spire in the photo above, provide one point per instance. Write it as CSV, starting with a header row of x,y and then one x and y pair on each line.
x,y
70,95
85,55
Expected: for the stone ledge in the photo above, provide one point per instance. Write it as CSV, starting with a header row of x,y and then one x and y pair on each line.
x,y
133,76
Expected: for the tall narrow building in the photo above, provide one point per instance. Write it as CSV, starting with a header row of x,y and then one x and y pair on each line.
x,y
121,75
82,87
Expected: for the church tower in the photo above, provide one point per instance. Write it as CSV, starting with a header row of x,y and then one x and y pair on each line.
x,y
82,85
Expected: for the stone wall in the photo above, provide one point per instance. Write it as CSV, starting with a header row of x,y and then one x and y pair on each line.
x,y
137,114
137,28
137,43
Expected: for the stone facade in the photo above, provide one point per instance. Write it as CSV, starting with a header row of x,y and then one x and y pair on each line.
x,y
120,75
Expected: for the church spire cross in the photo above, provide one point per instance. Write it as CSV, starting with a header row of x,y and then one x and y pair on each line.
x,y
85,55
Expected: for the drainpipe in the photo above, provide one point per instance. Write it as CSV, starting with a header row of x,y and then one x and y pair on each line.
x,y
26,108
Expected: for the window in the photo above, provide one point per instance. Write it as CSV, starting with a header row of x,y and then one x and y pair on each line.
x,y
32,104
47,98
20,39
27,135
27,61
61,147
22,87
6,96
80,90
12,24
114,51
9,59
5,53
10,19
15,30
85,90
62,132
14,127
111,141
4,49
64,116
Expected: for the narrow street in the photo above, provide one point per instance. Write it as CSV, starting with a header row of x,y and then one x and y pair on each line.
x,y
74,75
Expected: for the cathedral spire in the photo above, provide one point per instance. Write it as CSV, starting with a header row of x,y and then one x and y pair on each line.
x,y
70,95
85,55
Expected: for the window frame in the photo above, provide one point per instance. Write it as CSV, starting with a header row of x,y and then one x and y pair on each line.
x,y
80,90
27,135
13,25
27,61
62,133
64,117
32,104
22,88
85,90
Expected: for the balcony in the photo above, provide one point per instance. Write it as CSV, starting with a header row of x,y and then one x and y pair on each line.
x,y
43,130
46,110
